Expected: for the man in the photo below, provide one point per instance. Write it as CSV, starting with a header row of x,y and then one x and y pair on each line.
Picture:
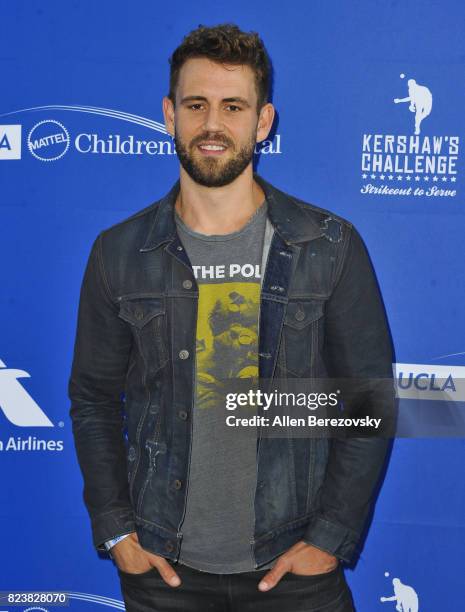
x,y
225,278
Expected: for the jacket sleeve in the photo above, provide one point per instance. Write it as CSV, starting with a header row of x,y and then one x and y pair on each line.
x,y
98,373
357,347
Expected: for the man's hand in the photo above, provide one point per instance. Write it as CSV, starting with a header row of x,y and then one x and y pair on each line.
x,y
302,559
130,557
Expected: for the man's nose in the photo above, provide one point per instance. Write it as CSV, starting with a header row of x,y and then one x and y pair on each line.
x,y
213,121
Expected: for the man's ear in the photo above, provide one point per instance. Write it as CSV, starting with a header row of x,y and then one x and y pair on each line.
x,y
265,121
168,114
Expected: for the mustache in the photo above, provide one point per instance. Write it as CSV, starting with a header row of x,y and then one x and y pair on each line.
x,y
221,141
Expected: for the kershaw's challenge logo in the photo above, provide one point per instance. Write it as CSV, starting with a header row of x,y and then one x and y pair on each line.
x,y
411,164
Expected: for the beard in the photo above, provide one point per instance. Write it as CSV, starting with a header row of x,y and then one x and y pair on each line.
x,y
212,171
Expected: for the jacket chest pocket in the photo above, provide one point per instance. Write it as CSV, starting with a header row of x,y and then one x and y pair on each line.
x,y
147,319
300,337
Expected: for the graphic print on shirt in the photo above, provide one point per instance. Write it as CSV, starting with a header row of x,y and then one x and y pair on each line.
x,y
227,337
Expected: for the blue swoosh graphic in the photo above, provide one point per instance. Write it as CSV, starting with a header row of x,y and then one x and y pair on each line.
x,y
95,110
100,599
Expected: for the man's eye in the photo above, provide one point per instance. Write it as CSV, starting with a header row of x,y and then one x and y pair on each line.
x,y
233,107
195,106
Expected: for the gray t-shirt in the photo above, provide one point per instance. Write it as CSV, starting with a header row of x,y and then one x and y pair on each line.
x,y
218,526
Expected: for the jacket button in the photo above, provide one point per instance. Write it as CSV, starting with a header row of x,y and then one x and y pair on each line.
x,y
300,315
139,314
169,546
182,415
177,484
183,354
131,453
187,284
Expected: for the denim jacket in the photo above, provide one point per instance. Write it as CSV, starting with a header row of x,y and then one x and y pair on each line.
x,y
132,379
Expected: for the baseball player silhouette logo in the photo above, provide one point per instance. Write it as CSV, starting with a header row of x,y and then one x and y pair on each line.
x,y
405,596
420,99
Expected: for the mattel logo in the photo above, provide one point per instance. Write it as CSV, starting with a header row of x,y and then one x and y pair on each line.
x,y
10,142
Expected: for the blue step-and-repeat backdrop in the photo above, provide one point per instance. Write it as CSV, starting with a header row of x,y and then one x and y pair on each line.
x,y
370,98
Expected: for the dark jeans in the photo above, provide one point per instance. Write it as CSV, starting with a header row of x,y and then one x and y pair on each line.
x,y
206,592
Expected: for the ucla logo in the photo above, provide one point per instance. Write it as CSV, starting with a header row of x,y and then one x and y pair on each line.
x,y
423,381
430,382
10,142
48,140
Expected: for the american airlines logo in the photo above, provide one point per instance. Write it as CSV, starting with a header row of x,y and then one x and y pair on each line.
x,y
16,403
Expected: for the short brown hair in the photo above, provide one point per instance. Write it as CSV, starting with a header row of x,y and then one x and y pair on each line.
x,y
225,43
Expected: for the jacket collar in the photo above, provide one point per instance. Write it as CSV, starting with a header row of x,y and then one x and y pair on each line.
x,y
288,217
